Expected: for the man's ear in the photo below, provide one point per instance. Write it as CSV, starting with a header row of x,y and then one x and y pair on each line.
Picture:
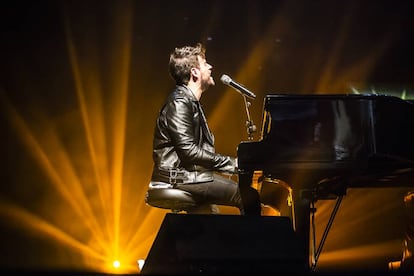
x,y
195,74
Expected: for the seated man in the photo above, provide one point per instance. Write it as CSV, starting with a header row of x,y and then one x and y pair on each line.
x,y
183,146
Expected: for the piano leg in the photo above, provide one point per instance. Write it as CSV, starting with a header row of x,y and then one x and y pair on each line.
x,y
301,225
250,196
300,216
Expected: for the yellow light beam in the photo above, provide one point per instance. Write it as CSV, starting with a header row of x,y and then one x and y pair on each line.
x,y
53,159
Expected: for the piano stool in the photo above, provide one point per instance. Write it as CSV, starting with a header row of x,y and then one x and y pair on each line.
x,y
169,198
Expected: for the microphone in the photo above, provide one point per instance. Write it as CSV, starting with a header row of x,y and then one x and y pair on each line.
x,y
240,88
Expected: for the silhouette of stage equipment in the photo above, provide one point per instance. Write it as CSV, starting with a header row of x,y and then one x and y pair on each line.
x,y
189,244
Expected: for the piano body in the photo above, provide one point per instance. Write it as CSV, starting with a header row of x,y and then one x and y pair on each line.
x,y
321,145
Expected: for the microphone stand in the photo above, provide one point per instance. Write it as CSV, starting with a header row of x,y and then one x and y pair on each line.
x,y
251,128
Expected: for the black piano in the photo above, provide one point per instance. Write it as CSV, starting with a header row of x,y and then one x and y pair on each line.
x,y
321,145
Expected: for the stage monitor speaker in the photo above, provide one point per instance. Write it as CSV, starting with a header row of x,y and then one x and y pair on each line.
x,y
190,244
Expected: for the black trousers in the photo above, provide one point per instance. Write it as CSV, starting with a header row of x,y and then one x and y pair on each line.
x,y
221,191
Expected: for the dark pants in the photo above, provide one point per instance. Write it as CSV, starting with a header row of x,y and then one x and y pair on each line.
x,y
221,191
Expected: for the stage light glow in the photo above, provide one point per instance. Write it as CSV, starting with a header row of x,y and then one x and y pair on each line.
x,y
140,264
116,264
91,208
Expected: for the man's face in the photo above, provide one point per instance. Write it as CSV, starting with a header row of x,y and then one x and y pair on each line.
x,y
206,79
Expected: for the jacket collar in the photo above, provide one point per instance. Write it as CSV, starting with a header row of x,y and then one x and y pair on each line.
x,y
186,90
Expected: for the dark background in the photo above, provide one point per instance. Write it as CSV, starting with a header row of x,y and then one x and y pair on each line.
x,y
269,46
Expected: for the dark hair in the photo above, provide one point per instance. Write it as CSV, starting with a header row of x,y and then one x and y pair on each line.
x,y
182,60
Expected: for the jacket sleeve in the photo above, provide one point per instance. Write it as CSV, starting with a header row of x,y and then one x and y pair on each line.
x,y
184,134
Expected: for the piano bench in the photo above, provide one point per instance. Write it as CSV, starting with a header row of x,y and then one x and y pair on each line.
x,y
169,198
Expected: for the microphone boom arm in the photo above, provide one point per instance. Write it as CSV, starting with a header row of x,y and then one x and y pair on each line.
x,y
251,127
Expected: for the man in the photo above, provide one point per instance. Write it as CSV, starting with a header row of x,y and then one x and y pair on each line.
x,y
183,147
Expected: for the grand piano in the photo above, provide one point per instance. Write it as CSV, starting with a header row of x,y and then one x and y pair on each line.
x,y
321,145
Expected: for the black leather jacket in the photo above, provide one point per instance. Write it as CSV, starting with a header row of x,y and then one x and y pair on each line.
x,y
183,146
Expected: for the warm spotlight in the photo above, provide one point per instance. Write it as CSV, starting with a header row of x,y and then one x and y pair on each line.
x,y
116,264
140,264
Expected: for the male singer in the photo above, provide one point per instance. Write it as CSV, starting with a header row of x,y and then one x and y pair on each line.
x,y
183,146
